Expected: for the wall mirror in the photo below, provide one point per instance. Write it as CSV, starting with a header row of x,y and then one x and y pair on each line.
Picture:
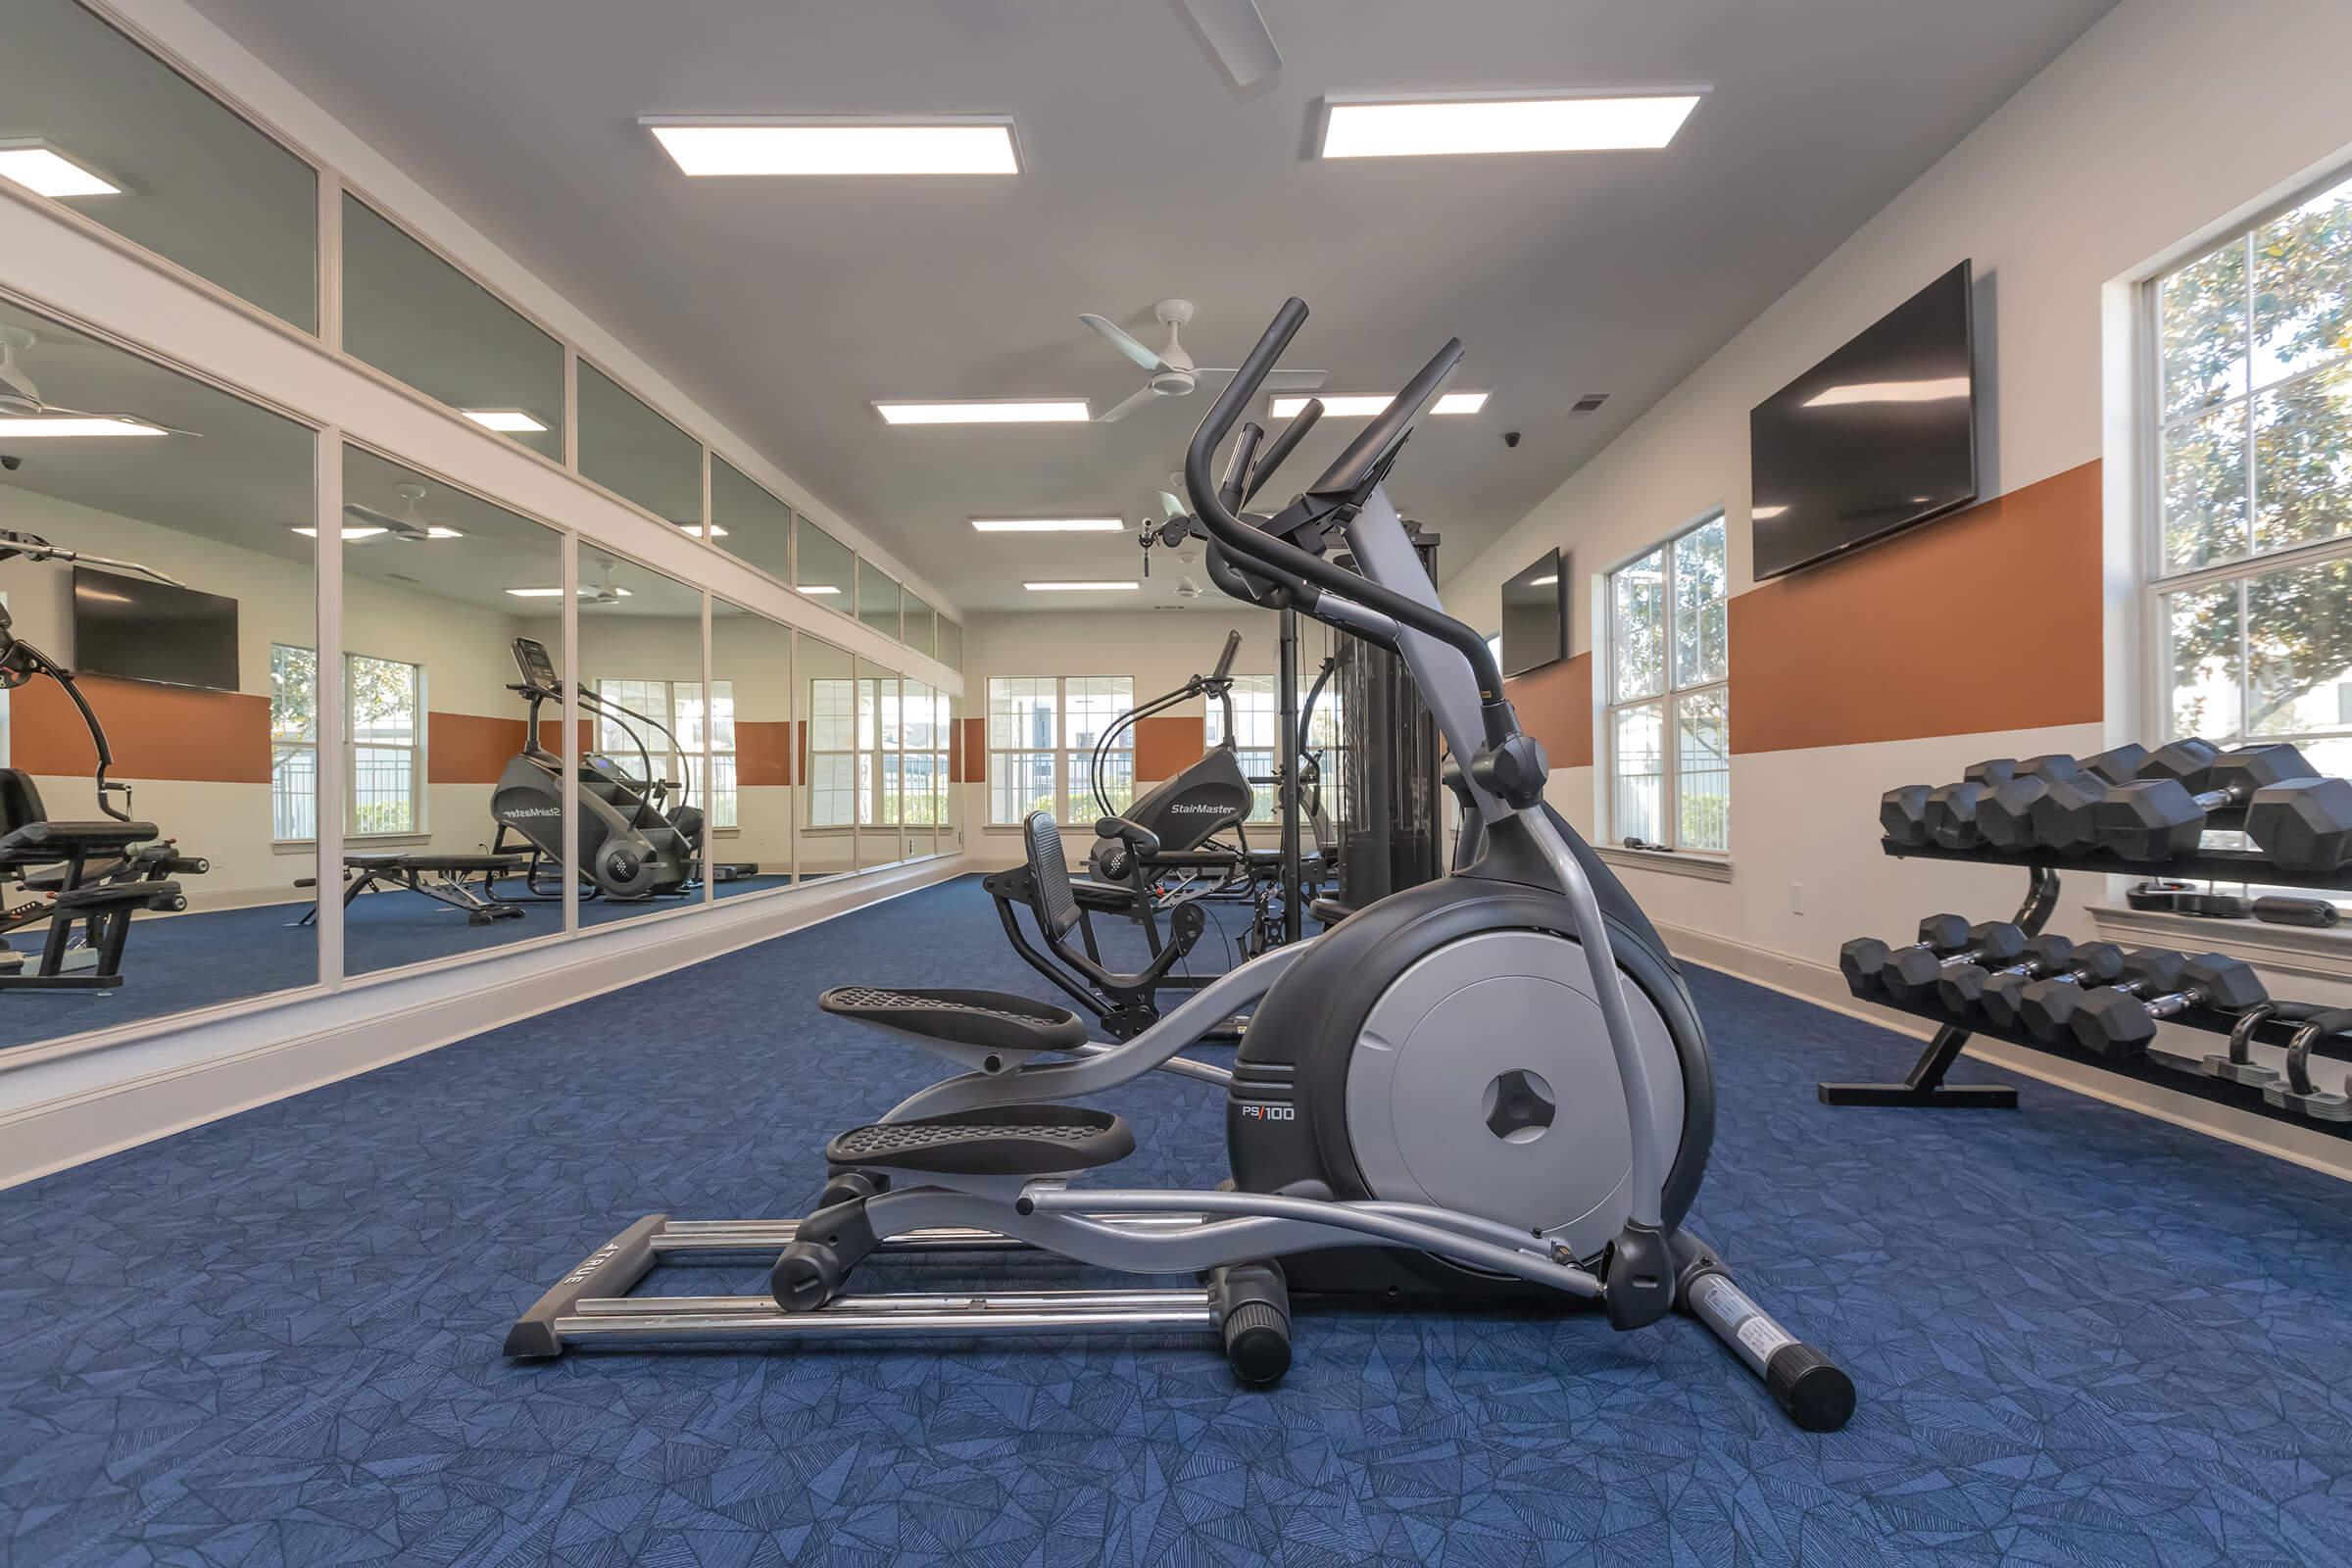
x,y
194,517
638,455
880,736
753,746
827,685
748,523
452,801
653,817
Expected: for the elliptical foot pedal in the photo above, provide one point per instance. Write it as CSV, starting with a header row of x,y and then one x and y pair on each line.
x,y
993,1141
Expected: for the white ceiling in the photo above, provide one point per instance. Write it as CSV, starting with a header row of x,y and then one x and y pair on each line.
x,y
788,306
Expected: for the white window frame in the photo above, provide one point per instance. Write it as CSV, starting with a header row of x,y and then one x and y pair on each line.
x,y
1668,699
679,760
1072,781
418,825
2159,582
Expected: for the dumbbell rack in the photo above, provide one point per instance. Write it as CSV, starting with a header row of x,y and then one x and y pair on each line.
x,y
1925,1084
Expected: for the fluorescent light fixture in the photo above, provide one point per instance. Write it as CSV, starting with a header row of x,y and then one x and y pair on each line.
x,y
1941,389
697,531
505,421
839,144
557,592
1046,410
1435,127
54,425
1765,513
818,589
1081,587
1363,405
1048,524
45,171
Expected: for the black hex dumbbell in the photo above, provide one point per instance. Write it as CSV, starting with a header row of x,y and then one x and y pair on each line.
x,y
2005,818
2119,1023
2046,1007
2155,819
1903,812
1863,960
2065,819
1951,810
2095,963
1962,986
1911,974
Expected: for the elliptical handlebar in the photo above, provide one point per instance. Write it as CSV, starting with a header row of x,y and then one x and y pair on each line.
x,y
1233,647
1307,575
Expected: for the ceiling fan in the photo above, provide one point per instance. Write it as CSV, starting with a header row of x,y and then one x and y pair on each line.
x,y
19,399
408,527
1237,35
606,591
1173,374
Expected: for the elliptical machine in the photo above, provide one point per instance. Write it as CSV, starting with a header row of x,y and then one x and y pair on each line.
x,y
1489,1088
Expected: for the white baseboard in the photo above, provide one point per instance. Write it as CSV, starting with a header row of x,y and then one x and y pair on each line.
x,y
74,1102
1824,987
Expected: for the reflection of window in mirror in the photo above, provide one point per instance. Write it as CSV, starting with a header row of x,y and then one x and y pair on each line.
x,y
410,314
750,658
179,560
827,676
881,738
660,811
637,454
452,806
132,144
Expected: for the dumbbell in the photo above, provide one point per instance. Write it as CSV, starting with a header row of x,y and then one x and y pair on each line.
x,y
1960,988
1904,814
2046,1007
2095,963
1864,958
2065,817
1912,974
2301,820
2117,1024
2005,818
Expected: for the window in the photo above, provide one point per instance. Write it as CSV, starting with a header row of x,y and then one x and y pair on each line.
x,y
1041,733
832,752
1257,737
1668,725
677,707
922,754
2251,544
384,705
293,742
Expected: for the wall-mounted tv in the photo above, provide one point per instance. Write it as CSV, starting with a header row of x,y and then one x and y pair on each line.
x,y
141,630
1877,437
1535,615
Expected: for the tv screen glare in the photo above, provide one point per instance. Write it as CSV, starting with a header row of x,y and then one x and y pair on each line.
x,y
1877,437
141,630
1535,615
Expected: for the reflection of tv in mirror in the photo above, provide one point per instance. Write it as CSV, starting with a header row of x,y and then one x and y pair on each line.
x,y
1535,615
153,631
1877,437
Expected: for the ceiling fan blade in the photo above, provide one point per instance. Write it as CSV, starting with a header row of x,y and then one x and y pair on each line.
x,y
1237,35
1148,359
1170,505
1278,380
398,527
52,411
1142,395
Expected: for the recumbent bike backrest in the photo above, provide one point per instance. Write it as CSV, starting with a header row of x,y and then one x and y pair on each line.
x,y
1049,873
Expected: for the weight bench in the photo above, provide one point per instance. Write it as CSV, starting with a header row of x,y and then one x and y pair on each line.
x,y
89,879
442,878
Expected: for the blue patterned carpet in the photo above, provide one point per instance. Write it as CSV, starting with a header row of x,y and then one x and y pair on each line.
x,y
2082,1337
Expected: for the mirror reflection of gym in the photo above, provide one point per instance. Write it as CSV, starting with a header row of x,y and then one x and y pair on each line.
x,y
192,512
827,681
752,745
442,850
878,742
662,800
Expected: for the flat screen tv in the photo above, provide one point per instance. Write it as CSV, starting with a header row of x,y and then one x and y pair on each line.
x,y
1877,437
141,630
1535,615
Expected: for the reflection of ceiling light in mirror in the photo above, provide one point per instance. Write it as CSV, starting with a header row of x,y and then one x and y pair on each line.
x,y
557,592
1048,410
505,421
45,171
1555,125
50,425
838,144
696,529
1048,524
1081,587
1938,390
353,531
821,588
1363,406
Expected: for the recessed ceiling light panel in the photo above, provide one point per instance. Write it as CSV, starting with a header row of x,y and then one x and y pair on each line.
x,y
839,144
1048,524
42,170
999,411
1429,128
505,421
1363,405
1081,587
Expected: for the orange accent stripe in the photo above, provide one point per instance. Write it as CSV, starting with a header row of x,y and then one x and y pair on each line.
x,y
1167,745
972,768
469,748
1555,706
764,751
157,732
1991,619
